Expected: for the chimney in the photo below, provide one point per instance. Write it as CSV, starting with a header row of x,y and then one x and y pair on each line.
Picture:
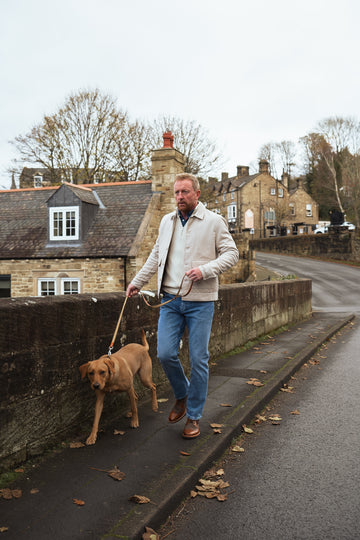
x,y
168,140
285,179
242,170
224,176
264,166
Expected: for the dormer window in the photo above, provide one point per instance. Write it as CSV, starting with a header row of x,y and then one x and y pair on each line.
x,y
64,223
38,180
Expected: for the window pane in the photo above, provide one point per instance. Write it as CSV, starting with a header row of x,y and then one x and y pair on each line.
x,y
58,224
70,224
70,287
47,288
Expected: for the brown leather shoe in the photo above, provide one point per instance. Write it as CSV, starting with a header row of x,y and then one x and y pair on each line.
x,y
191,429
178,411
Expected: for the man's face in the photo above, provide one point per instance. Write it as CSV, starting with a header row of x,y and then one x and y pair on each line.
x,y
185,195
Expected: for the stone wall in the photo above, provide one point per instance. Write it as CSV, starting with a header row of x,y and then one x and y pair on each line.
x,y
100,275
43,341
337,245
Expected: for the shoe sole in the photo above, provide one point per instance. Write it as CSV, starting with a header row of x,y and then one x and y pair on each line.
x,y
177,420
191,436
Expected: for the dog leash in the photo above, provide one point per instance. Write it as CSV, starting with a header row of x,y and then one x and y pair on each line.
x,y
117,327
142,294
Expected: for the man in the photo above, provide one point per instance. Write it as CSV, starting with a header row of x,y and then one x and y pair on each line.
x,y
195,243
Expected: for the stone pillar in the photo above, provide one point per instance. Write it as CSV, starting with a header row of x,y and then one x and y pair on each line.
x,y
166,162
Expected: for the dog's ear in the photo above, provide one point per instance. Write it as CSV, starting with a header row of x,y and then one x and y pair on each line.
x,y
83,369
110,364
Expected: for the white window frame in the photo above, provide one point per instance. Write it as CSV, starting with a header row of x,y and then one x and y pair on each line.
x,y
309,210
71,281
292,209
38,181
281,192
232,212
272,191
63,211
47,280
232,194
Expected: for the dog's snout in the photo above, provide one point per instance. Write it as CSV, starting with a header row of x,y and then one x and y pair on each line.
x,y
96,385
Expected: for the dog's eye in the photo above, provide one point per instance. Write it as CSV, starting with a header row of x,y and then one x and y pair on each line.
x,y
102,372
91,373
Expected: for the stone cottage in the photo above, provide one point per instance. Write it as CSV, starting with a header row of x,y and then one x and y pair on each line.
x,y
93,238
262,205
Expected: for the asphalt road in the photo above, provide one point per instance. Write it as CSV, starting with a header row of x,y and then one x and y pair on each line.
x,y
299,477
336,287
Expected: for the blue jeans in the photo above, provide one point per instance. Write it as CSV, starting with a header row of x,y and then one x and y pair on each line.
x,y
174,317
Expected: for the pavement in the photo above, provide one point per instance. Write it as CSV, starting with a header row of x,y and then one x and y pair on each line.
x,y
156,461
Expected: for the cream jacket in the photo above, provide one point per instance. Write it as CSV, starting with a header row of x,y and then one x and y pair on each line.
x,y
208,245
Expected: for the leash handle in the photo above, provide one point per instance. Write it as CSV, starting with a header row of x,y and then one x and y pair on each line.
x,y
117,327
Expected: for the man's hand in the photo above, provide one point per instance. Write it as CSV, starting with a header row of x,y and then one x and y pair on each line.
x,y
194,274
131,290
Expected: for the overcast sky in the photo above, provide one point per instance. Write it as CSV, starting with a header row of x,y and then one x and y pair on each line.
x,y
250,72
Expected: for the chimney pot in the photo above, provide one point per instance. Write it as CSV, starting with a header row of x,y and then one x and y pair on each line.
x,y
168,139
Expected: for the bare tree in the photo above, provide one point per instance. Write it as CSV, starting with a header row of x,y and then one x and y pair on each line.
x,y
190,138
78,140
280,156
333,152
132,150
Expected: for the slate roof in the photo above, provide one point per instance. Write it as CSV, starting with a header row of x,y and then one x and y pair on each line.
x,y
24,221
234,182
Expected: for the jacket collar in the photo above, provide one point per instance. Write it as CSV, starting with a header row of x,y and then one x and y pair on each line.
x,y
199,212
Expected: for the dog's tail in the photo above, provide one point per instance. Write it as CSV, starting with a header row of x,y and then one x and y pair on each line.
x,y
143,339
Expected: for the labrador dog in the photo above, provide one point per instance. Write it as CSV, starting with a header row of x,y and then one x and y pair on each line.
x,y
116,373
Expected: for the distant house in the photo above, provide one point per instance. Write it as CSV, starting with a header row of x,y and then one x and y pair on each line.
x,y
262,205
93,238
38,177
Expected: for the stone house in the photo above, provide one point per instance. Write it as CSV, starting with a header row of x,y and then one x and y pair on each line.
x,y
92,238
262,205
37,177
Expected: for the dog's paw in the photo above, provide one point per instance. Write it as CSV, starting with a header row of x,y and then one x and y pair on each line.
x,y
134,424
91,440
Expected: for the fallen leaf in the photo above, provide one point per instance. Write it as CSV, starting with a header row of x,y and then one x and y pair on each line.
x,y
193,494
221,497
3,529
76,445
295,412
247,429
139,499
255,382
220,472
237,448
8,494
116,474
217,431
216,425
225,405
184,453
19,470
162,400
288,390
34,491
260,418
150,534
79,502
263,371
275,418
118,432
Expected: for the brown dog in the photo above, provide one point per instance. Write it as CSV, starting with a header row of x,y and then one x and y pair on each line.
x,y
115,373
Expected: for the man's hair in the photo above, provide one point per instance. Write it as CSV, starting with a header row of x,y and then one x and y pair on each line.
x,y
188,176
